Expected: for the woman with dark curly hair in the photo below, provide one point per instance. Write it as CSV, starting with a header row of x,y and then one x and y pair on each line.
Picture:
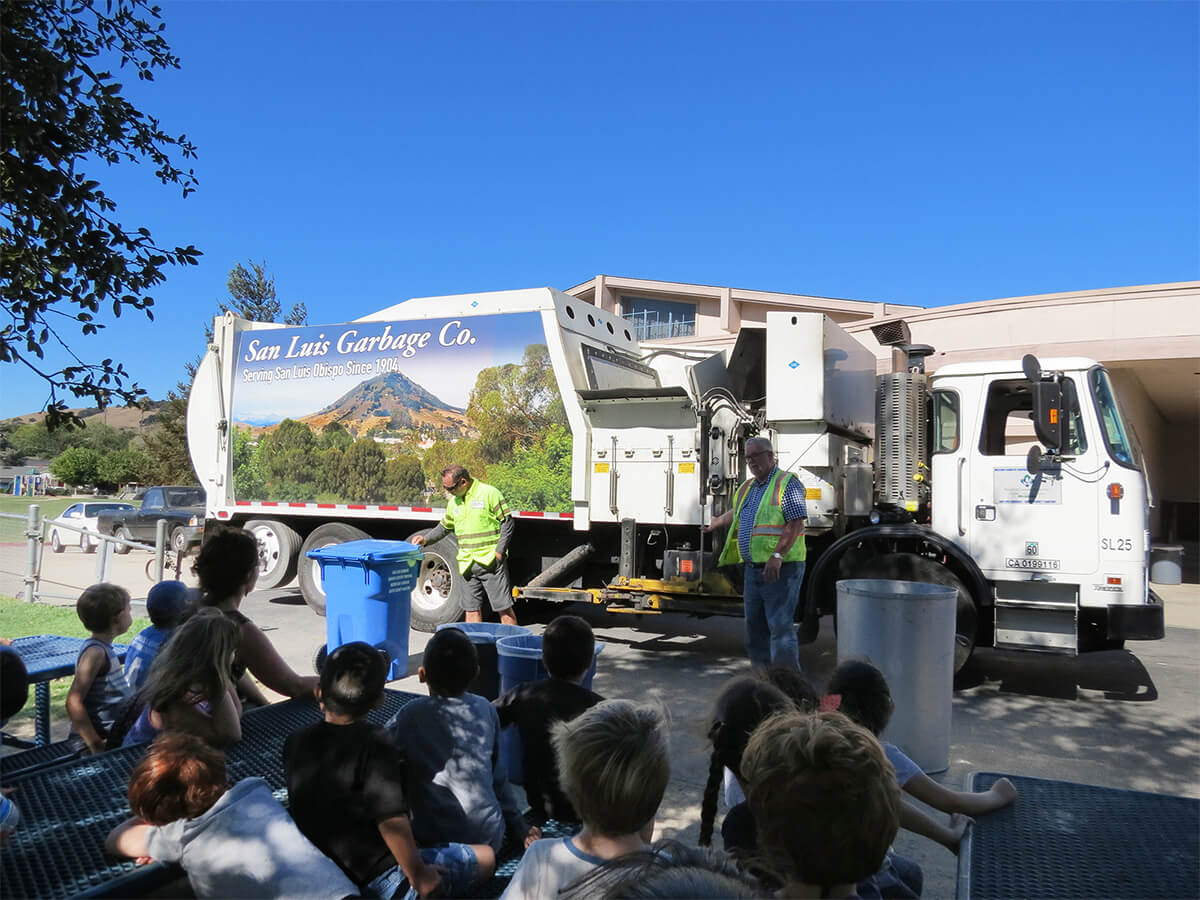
x,y
227,568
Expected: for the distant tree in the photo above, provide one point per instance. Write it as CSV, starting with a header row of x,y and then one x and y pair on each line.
x,y
62,115
101,436
166,443
118,467
334,434
329,468
443,453
252,296
405,480
248,481
540,477
512,405
9,455
76,465
36,439
286,455
361,478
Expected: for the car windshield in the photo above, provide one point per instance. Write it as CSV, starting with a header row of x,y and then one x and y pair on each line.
x,y
184,497
94,509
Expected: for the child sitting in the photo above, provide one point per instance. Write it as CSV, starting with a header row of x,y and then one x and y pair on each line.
x,y
346,783
457,791
568,647
164,604
614,763
742,705
825,801
860,691
231,841
189,687
99,694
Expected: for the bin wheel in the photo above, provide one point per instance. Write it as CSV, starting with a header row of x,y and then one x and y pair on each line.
x,y
910,567
437,595
310,571
319,658
278,549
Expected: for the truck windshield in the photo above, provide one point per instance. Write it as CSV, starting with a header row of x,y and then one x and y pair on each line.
x,y
1117,437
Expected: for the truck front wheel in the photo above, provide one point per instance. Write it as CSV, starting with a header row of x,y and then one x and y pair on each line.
x,y
910,567
436,597
310,569
277,550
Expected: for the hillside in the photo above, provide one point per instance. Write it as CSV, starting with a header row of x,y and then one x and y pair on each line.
x,y
123,418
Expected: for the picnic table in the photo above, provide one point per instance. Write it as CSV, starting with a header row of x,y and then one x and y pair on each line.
x,y
1062,839
46,657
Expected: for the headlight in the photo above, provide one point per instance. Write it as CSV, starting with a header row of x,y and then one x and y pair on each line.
x,y
874,517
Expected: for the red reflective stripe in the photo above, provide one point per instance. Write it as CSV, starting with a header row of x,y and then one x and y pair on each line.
x,y
567,515
355,506
422,509
389,508
269,503
298,505
531,513
326,506
242,503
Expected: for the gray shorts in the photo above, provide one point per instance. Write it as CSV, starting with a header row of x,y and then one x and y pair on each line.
x,y
487,584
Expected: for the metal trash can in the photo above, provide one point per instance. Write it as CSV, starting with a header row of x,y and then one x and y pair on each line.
x,y
520,660
484,636
368,594
1166,563
906,630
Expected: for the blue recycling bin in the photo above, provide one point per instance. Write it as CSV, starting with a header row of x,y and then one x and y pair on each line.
x,y
484,636
368,593
519,660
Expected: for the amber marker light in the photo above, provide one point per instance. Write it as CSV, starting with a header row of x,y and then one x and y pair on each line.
x,y
1115,491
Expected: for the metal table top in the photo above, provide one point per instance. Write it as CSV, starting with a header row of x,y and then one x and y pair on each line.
x,y
1062,839
50,656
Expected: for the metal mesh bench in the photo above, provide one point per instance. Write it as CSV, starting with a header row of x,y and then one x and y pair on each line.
x,y
35,758
506,865
1068,840
68,808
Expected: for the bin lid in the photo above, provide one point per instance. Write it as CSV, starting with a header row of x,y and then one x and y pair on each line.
x,y
368,551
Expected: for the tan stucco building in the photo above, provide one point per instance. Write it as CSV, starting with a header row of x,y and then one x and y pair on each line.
x,y
1148,336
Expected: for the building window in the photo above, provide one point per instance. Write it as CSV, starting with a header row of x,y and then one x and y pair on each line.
x,y
655,319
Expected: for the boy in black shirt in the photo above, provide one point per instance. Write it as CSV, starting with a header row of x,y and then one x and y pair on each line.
x,y
568,646
345,781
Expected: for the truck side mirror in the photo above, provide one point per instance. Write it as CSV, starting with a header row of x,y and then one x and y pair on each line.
x,y
1048,413
1033,461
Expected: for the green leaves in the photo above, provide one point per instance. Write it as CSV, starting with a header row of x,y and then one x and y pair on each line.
x,y
60,245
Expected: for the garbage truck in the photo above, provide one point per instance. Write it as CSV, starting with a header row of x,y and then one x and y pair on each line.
x,y
1015,481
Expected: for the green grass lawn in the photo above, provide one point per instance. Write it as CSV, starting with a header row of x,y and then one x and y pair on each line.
x,y
19,619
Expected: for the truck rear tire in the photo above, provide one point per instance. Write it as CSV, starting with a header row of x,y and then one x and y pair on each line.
x,y
278,547
911,567
310,571
437,595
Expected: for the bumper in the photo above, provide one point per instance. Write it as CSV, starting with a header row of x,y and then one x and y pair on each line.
x,y
1143,622
193,533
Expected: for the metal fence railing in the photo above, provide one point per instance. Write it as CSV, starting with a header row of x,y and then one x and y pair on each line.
x,y
30,573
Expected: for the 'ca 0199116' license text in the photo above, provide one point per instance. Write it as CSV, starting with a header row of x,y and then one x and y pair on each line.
x,y
1021,562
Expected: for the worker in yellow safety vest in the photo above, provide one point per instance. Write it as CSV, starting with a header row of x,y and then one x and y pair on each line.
x,y
478,516
768,537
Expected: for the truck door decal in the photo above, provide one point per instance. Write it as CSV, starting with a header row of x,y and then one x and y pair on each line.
x,y
1016,485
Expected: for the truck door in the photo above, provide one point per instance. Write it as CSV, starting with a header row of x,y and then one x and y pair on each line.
x,y
1021,525
143,524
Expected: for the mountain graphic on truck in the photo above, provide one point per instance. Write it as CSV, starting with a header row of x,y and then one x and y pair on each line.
x,y
379,401
387,400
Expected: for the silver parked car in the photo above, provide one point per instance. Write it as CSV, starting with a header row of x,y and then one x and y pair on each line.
x,y
82,516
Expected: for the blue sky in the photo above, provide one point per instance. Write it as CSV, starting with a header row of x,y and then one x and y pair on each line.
x,y
925,153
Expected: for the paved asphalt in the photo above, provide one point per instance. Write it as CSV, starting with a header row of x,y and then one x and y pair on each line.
x,y
1123,718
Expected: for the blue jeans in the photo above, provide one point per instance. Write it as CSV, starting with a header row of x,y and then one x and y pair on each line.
x,y
770,611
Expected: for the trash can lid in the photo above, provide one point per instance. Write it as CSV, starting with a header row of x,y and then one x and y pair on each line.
x,y
487,632
367,551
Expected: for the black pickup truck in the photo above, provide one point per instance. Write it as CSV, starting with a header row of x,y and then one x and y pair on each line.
x,y
182,506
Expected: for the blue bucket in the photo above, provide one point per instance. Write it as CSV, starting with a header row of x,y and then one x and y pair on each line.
x,y
484,636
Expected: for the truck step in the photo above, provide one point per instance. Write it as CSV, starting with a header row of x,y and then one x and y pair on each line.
x,y
1038,625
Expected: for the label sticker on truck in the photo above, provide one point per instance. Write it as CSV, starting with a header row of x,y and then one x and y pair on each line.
x,y
1025,562
687,469
601,468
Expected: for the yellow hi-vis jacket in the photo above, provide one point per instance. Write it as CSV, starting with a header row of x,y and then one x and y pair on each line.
x,y
475,520
768,524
